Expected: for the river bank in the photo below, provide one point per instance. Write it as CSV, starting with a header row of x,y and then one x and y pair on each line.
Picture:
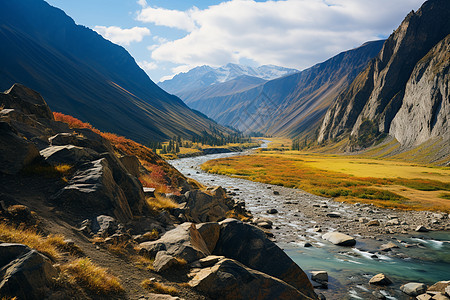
x,y
302,218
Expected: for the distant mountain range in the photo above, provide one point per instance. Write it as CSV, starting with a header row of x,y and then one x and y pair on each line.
x,y
290,105
404,91
205,76
80,73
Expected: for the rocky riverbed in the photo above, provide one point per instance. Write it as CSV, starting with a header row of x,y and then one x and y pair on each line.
x,y
406,245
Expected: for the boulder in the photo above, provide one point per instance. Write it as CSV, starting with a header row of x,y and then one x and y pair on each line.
x,y
26,101
413,289
201,207
373,223
184,242
319,276
380,279
15,151
210,233
272,211
93,189
250,246
421,228
229,279
339,239
440,287
163,261
105,225
424,297
206,262
68,154
27,275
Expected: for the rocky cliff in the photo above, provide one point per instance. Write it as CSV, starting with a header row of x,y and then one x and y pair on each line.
x,y
403,91
290,105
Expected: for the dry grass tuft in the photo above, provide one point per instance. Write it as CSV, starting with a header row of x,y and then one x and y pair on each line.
x,y
84,273
144,262
160,288
48,171
30,237
160,202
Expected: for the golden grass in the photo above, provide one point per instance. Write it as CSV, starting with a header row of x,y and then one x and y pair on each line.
x,y
41,169
96,279
144,262
160,202
160,288
46,245
343,177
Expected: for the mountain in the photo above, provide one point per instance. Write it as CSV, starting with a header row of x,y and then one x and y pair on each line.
x,y
80,73
290,105
404,91
206,76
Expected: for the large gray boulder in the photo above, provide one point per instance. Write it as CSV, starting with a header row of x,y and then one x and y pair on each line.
x,y
229,279
202,207
25,273
15,151
250,246
339,239
184,242
92,188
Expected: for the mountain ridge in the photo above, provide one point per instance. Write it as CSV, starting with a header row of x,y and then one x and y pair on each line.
x,y
205,76
82,74
393,91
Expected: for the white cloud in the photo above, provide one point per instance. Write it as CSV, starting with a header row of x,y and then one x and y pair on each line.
x,y
291,33
147,65
142,3
122,36
166,17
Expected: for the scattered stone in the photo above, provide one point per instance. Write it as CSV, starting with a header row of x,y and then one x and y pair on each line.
x,y
388,247
163,261
373,223
207,262
413,288
317,230
333,215
440,286
421,228
424,297
393,222
276,193
378,295
320,296
363,220
380,279
307,245
338,238
264,225
319,276
272,211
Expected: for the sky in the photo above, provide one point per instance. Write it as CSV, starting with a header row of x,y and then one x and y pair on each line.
x,y
167,37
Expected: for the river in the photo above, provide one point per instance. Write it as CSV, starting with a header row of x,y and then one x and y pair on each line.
x,y
349,269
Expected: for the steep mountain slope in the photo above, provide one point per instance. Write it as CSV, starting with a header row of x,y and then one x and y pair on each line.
x,y
237,85
80,73
290,105
206,76
404,91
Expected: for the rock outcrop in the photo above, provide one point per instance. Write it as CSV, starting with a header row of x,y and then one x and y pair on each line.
x,y
229,279
403,91
97,183
250,246
24,273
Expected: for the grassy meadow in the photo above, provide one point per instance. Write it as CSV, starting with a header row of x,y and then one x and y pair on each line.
x,y
385,183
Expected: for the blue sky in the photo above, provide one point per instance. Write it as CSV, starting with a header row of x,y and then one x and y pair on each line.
x,y
171,36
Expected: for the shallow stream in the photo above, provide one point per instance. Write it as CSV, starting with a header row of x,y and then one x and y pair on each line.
x,y
349,268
